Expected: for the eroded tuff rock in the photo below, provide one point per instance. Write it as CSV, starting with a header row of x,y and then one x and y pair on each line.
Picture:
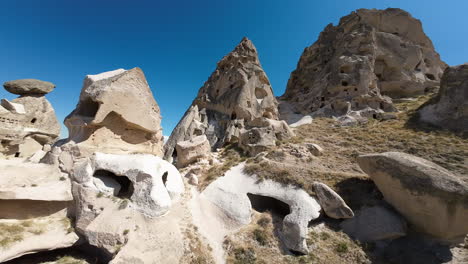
x,y
450,107
369,54
235,94
116,113
191,150
27,122
331,202
431,198
233,194
35,200
111,189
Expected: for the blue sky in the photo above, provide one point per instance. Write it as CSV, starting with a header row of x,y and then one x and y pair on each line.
x,y
177,43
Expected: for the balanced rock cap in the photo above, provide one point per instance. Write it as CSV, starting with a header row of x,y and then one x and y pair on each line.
x,y
29,87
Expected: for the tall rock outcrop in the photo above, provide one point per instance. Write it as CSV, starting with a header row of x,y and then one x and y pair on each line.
x,y
450,107
116,114
236,93
27,122
369,55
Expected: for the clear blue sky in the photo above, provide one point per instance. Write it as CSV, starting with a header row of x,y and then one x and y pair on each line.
x,y
177,43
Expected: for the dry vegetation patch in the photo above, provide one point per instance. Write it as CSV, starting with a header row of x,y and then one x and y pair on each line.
x,y
11,233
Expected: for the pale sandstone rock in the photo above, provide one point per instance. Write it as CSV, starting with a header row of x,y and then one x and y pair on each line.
x,y
315,149
331,202
191,150
29,87
26,124
431,198
370,53
148,188
375,223
117,114
230,194
450,107
235,94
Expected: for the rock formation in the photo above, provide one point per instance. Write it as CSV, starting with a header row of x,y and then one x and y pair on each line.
x,y
431,198
450,107
116,113
35,200
191,150
236,93
27,122
369,54
231,194
331,202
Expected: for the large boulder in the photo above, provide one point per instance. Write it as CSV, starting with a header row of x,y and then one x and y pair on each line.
x,y
191,150
235,94
369,54
117,114
29,87
27,123
431,198
235,193
450,107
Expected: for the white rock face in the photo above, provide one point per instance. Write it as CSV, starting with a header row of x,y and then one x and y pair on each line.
x,y
155,182
190,150
375,223
230,194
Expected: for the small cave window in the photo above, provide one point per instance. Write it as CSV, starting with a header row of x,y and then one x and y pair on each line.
x,y
233,116
262,203
430,76
164,178
355,89
344,83
322,99
197,132
395,33
231,86
374,116
17,154
126,186
379,76
33,120
381,105
88,108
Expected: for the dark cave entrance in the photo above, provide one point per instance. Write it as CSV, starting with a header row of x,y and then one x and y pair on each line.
x,y
262,204
126,186
88,108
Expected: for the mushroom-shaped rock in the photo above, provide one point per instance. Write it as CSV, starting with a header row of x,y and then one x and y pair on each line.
x,y
190,150
117,114
232,194
450,107
431,198
29,87
331,202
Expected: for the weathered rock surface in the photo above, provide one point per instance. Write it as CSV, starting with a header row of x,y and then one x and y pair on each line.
x,y
110,189
431,198
26,124
117,114
191,150
375,223
230,194
450,108
235,94
34,203
369,54
29,87
331,202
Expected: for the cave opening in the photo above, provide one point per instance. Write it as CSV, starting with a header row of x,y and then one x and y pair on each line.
x,y
33,120
126,186
430,76
262,204
88,108
164,178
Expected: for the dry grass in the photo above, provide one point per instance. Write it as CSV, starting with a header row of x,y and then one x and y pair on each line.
x,y
69,260
230,157
199,252
14,233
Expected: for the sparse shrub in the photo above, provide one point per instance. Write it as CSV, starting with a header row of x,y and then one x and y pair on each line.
x,y
123,204
244,256
324,235
341,247
260,236
33,185
126,231
62,178
263,221
99,194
